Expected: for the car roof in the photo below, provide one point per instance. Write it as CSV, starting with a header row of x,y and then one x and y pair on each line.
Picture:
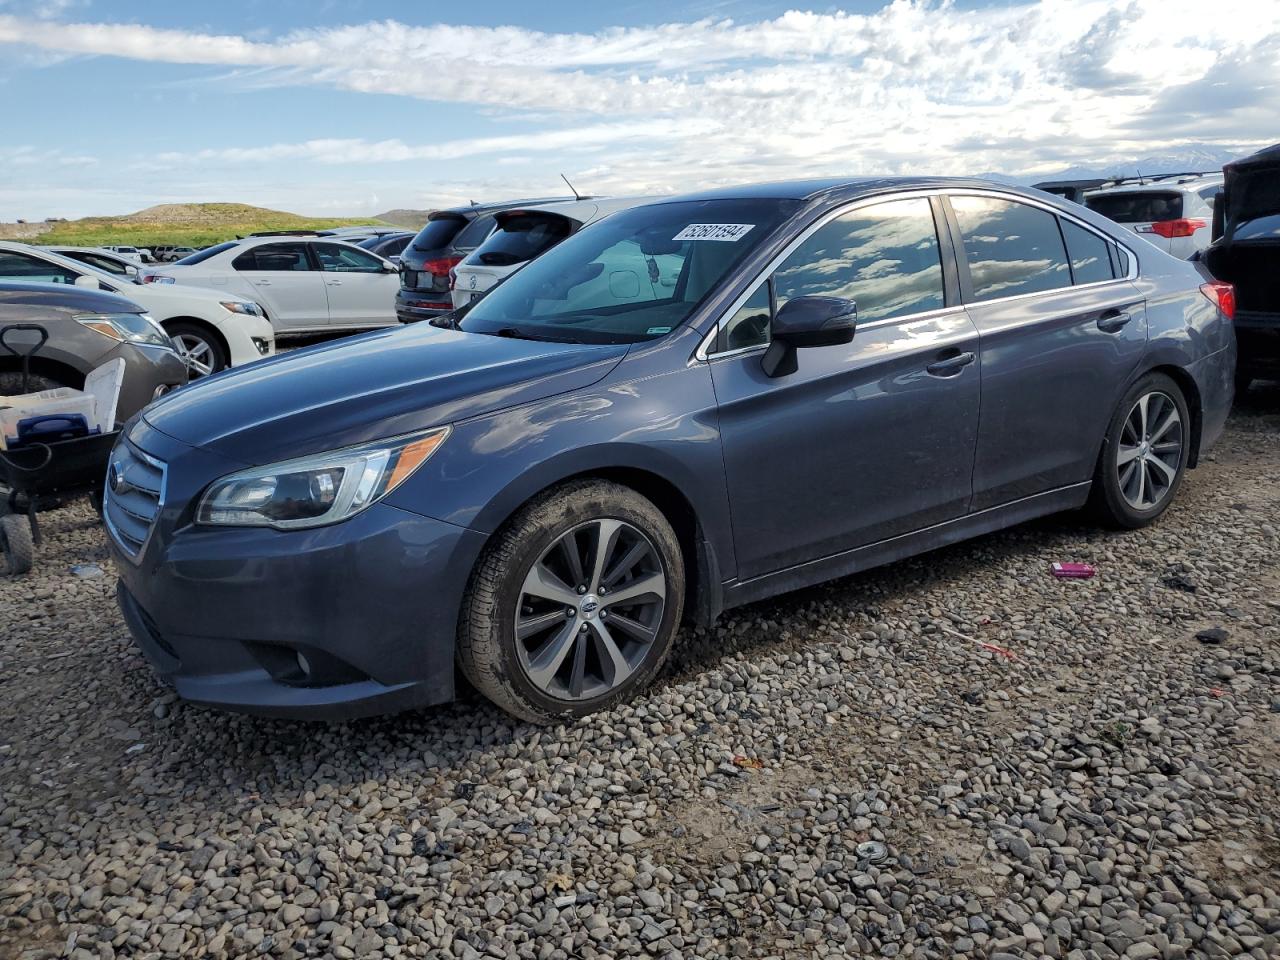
x,y
845,188
1160,185
65,295
496,206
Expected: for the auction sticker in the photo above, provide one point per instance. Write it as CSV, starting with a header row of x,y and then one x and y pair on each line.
x,y
727,232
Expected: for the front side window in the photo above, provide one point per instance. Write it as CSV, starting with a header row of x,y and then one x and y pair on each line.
x,y
884,257
200,256
633,276
1012,248
1090,259
273,256
335,258
21,266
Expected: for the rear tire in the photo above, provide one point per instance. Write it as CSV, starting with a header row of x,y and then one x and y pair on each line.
x,y
545,648
16,543
203,354
1144,455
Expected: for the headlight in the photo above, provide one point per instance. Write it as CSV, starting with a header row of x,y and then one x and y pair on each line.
x,y
241,306
318,490
158,278
137,328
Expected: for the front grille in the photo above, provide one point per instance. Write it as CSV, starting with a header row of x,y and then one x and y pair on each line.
x,y
134,495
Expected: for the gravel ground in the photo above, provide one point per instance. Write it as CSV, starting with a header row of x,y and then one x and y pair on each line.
x,y
843,771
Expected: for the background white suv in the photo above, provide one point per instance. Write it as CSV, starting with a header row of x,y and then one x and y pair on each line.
x,y
1173,211
524,233
305,284
211,329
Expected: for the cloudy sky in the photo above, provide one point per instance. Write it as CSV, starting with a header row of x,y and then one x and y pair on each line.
x,y
353,107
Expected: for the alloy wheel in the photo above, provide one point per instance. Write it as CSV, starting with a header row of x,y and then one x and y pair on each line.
x,y
197,353
590,609
1150,450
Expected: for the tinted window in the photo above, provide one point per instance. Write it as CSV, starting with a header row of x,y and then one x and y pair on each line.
x,y
749,325
1122,261
474,233
20,266
885,258
521,237
394,247
633,276
1012,248
200,256
438,232
95,260
1137,207
1261,228
335,258
273,256
1090,259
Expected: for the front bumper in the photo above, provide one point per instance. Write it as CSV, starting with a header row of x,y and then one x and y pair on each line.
x,y
248,338
149,372
371,604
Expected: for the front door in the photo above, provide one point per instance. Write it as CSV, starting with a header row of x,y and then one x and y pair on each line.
x,y
360,290
1062,333
867,440
284,282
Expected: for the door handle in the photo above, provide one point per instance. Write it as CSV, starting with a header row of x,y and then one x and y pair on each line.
x,y
1114,320
334,283
951,365
261,283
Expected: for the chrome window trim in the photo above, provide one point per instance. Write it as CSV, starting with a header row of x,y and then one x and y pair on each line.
x,y
703,352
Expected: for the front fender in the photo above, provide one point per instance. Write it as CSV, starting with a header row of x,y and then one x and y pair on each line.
x,y
664,425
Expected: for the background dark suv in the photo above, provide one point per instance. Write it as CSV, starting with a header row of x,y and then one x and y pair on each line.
x,y
448,236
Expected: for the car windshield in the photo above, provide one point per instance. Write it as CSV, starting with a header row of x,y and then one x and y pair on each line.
x,y
200,256
634,276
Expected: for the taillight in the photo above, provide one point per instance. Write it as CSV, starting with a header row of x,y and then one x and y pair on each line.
x,y
441,266
1223,294
1177,228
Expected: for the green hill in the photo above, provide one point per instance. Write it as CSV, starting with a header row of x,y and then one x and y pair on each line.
x,y
185,224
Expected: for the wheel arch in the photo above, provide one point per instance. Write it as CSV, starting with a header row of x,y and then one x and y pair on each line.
x,y
703,589
46,367
205,326
1191,393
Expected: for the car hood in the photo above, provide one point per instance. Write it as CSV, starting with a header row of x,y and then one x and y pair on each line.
x,y
376,385
172,292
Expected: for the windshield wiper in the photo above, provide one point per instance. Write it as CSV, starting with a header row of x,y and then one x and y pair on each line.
x,y
515,333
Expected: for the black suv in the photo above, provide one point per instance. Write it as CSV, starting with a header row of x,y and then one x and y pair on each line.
x,y
425,264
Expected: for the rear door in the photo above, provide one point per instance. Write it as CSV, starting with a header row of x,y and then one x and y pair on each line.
x,y
285,281
1062,331
360,290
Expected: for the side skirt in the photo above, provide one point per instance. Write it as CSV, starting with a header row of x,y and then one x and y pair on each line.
x,y
909,544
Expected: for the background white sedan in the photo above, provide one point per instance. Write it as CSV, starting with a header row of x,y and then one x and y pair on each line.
x,y
212,329
306,285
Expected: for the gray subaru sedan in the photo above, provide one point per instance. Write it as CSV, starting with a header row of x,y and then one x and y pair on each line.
x,y
685,407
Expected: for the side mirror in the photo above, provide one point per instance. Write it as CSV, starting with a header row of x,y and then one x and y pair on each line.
x,y
88,282
130,271
390,268
807,322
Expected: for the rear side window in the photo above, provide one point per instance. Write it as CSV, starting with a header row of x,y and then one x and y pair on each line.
x,y
273,256
200,256
521,237
102,263
474,233
1090,258
1137,207
438,232
1012,248
335,258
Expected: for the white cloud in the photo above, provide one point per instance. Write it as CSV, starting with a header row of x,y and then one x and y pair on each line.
x,y
913,87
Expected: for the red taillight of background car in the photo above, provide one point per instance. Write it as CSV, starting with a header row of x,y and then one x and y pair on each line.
x,y
441,266
1183,227
1223,294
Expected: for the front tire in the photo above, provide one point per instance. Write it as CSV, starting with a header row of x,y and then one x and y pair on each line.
x,y
574,604
1145,453
17,544
201,351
